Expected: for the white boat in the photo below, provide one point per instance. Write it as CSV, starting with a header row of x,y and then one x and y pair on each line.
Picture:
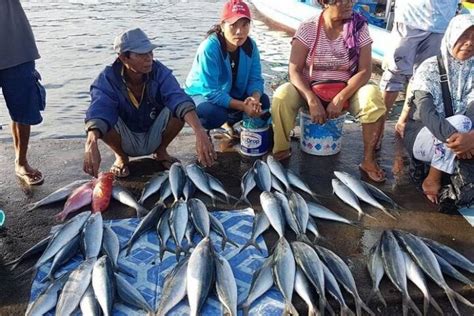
x,y
288,15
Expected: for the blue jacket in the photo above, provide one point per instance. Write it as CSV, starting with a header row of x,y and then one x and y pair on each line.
x,y
110,100
211,74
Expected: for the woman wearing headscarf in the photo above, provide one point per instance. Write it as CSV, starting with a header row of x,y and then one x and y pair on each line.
x,y
431,134
334,45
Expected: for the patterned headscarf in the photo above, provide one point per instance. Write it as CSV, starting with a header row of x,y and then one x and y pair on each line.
x,y
350,34
459,73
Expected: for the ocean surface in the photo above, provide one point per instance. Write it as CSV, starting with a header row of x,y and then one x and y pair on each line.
x,y
75,42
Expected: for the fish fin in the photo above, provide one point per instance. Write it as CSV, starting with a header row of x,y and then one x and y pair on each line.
x,y
24,273
233,243
245,307
49,277
31,207
462,299
14,263
346,311
304,238
435,305
290,309
360,303
142,211
451,296
369,216
412,305
250,242
376,292
389,214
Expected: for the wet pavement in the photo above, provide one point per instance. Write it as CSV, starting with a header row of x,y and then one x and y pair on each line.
x,y
61,162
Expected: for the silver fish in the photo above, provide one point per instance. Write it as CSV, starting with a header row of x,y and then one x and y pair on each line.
x,y
58,195
153,185
247,184
313,228
199,275
260,224
262,281
190,230
217,226
278,171
200,180
263,175
271,207
89,304
177,178
130,295
36,249
333,288
299,207
394,265
91,240
165,192
448,269
304,290
174,288
348,197
226,287
122,195
360,190
284,269
427,261
380,195
64,255
178,222
322,212
290,216
75,287
111,245
47,299
297,182
188,190
217,186
450,255
200,216
376,271
277,185
163,230
103,283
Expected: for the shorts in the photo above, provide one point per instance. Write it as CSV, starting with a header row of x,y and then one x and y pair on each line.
x,y
143,144
24,95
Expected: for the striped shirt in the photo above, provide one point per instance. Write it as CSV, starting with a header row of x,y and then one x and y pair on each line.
x,y
331,61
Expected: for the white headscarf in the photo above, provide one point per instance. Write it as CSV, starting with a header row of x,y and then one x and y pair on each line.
x,y
460,73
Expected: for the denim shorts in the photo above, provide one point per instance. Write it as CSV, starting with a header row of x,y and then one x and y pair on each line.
x,y
24,95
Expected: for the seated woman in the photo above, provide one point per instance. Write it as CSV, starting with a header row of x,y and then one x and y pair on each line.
x,y
225,80
341,44
430,135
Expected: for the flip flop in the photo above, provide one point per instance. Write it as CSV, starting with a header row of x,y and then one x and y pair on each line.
x,y
374,175
120,172
31,178
166,163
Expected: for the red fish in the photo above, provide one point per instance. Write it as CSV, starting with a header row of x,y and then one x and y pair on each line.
x,y
102,192
80,197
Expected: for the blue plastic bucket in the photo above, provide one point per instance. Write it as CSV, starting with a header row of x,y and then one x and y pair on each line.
x,y
254,142
321,140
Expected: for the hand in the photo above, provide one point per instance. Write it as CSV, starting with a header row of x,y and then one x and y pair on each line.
x,y
205,149
460,143
317,111
91,154
334,108
252,107
400,128
467,155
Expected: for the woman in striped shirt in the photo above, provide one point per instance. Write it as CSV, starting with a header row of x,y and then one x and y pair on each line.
x,y
342,51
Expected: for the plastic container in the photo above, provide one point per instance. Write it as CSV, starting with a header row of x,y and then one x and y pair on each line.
x,y
254,142
321,140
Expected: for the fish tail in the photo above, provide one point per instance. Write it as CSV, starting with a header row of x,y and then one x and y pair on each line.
x,y
452,299
376,292
241,199
233,243
14,263
30,207
360,304
463,300
311,311
315,197
426,304
24,273
368,215
388,213
245,309
435,305
290,309
411,303
304,238
250,242
141,211
178,252
345,310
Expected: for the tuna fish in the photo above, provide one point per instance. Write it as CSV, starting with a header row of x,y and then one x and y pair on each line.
x,y
380,195
153,186
164,233
174,288
262,281
217,226
125,197
130,295
217,186
102,192
278,171
290,217
271,208
178,222
260,224
284,270
200,180
376,271
34,250
450,255
165,192
80,197
200,216
448,269
348,197
299,207
297,182
333,288
322,212
64,255
304,290
89,304
103,283
188,190
177,178
92,232
47,299
277,185
247,184
111,245
226,287
263,176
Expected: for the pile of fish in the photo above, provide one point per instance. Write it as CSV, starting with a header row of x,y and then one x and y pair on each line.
x,y
350,189
401,256
304,269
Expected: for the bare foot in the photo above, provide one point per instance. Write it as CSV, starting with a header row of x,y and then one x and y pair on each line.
x,y
28,174
431,189
165,159
120,167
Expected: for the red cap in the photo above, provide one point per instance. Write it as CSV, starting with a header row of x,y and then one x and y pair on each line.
x,y
235,10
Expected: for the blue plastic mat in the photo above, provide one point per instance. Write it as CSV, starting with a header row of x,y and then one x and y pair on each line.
x,y
149,273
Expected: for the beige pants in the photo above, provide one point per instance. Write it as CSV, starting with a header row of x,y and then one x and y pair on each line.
x,y
366,104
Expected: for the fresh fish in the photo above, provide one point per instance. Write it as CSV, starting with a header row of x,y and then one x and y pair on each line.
x,y
290,216
416,276
74,288
260,224
130,295
102,192
47,299
34,250
148,222
262,281
165,192
200,180
188,190
333,288
380,195
122,195
103,283
199,275
376,271
226,287
450,255
322,212
263,175
278,171
177,178
174,288
297,182
89,304
178,222
111,245
299,207
343,274
247,184
271,208
304,290
64,255
217,186
163,230
348,197
92,232
153,185
311,265
80,197
360,190
189,234
284,269
313,228
448,269
58,195
395,268
427,261
200,216
277,185
217,226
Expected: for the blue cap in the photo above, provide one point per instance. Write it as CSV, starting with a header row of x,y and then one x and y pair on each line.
x,y
135,41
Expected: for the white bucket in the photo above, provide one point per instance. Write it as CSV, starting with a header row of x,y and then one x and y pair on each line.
x,y
321,140
254,142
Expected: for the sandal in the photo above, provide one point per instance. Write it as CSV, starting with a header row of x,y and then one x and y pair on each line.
x,y
377,176
35,178
120,171
166,163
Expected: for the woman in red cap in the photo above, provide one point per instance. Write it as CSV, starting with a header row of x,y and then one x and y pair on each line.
x,y
225,80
